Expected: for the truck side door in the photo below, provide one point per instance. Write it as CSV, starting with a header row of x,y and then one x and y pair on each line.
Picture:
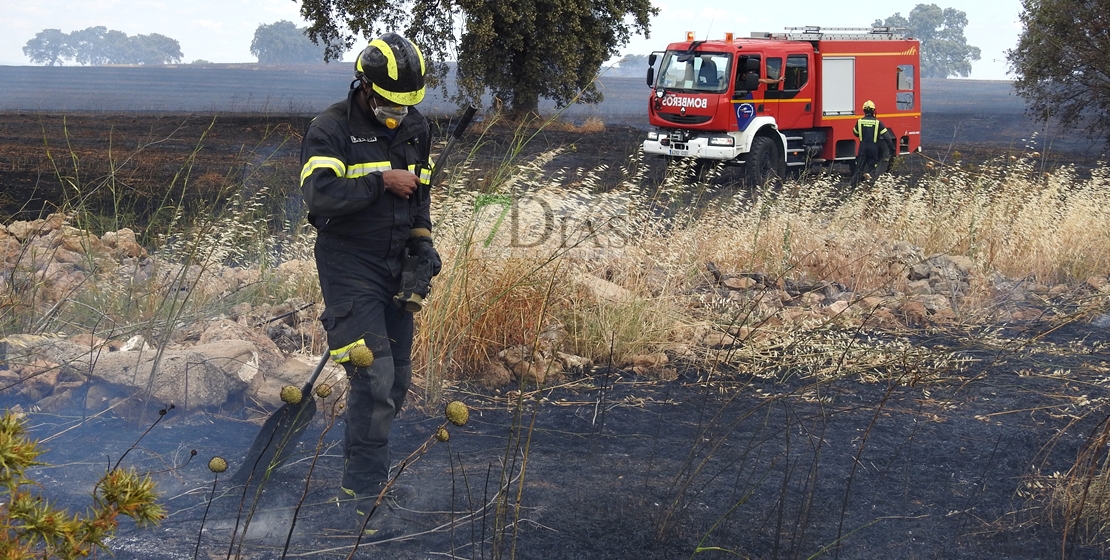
x,y
771,89
795,95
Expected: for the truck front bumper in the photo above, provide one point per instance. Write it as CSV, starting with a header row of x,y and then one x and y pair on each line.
x,y
693,147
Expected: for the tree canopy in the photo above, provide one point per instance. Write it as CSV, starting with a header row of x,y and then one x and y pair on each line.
x,y
944,49
1060,62
99,45
520,51
284,43
49,46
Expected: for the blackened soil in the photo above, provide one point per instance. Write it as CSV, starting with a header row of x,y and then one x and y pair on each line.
x,y
934,464
141,167
927,464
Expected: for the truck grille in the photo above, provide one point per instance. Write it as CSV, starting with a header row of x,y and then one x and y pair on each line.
x,y
685,119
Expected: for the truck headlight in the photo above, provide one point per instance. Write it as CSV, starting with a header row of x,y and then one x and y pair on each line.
x,y
722,141
653,136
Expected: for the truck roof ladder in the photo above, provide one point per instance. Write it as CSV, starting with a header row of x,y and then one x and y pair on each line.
x,y
817,33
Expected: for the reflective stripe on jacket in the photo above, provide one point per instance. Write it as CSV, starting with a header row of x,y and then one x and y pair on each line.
x,y
343,154
869,129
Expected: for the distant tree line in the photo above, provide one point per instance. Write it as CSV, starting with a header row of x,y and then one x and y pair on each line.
x,y
96,46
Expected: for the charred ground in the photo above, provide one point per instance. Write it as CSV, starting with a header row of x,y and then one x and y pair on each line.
x,y
937,462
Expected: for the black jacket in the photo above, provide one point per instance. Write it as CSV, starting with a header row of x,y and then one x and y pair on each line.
x,y
343,154
869,129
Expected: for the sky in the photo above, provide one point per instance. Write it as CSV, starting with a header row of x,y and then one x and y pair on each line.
x,y
222,30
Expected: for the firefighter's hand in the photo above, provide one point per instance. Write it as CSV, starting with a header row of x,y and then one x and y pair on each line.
x,y
400,182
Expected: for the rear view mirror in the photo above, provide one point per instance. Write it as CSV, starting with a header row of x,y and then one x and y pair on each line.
x,y
651,59
651,76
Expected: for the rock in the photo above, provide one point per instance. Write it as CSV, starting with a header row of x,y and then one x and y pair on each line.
x,y
920,287
136,342
270,355
604,289
571,361
835,308
57,402
965,265
494,375
123,243
739,283
201,376
1098,283
239,311
80,242
715,339
295,371
99,397
529,366
24,231
914,313
649,361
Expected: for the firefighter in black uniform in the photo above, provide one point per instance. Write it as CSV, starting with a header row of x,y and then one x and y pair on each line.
x,y
365,160
870,131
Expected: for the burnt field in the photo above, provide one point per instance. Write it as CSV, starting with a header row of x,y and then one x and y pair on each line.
x,y
146,131
947,459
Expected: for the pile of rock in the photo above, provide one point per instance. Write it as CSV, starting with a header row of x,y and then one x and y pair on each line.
x,y
228,363
242,358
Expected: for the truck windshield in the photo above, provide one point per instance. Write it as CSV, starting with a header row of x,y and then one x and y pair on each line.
x,y
698,71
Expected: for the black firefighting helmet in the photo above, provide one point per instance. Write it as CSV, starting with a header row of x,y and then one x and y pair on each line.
x,y
394,68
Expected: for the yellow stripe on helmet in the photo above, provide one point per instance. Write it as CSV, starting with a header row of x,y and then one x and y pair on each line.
x,y
390,58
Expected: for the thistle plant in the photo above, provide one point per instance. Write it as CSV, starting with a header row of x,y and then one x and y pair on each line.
x,y
31,527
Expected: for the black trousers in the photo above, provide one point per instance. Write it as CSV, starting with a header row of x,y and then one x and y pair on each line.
x,y
868,157
358,297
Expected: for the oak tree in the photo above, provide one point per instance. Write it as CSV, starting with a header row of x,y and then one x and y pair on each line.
x,y
284,43
944,49
1060,63
151,49
520,51
49,46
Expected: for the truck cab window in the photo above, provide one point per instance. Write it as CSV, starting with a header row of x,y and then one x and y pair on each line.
x,y
797,71
905,77
695,72
741,74
774,72
904,97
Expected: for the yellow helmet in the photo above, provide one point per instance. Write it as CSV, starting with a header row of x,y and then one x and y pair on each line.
x,y
394,68
868,105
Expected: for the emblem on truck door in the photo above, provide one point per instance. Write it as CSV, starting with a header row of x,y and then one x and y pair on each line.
x,y
745,112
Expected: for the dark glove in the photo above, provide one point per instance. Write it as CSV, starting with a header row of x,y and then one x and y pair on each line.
x,y
421,262
422,248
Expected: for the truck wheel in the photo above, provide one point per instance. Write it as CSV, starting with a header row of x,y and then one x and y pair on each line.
x,y
764,163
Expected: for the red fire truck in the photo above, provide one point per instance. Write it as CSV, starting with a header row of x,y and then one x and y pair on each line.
x,y
784,100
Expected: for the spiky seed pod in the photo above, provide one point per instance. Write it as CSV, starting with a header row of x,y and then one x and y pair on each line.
x,y
290,394
217,465
323,391
457,413
361,356
442,434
